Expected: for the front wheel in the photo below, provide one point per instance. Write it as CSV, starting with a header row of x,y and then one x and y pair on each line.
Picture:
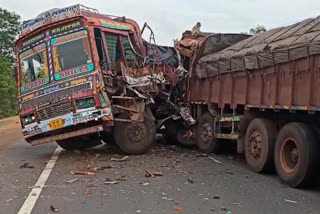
x,y
134,138
296,155
206,140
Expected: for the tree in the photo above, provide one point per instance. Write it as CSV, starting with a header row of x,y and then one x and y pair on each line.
x,y
257,30
9,23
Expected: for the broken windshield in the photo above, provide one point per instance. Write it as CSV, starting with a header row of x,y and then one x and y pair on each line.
x,y
34,64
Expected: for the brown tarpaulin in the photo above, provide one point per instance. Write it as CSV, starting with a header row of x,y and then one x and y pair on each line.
x,y
272,47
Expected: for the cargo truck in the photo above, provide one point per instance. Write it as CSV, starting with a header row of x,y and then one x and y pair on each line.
x,y
261,92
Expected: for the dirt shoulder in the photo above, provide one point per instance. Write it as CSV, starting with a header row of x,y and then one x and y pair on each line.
x,y
10,131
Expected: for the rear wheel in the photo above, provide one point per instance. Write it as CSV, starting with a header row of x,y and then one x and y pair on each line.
x,y
79,143
134,138
259,145
296,156
206,140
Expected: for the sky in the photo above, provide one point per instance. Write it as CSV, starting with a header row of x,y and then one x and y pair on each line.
x,y
169,18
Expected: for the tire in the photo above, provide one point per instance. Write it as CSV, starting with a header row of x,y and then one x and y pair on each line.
x,y
174,134
296,155
259,145
206,140
134,138
79,143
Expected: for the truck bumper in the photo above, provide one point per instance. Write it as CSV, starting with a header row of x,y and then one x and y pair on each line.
x,y
47,133
63,136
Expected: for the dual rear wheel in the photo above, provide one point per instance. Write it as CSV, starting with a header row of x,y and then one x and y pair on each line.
x,y
293,151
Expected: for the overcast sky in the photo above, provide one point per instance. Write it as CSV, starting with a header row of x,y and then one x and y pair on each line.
x,y
169,18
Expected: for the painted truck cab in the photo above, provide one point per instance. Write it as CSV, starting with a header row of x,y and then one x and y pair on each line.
x,y
63,57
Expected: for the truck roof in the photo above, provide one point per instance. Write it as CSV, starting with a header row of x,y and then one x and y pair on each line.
x,y
58,14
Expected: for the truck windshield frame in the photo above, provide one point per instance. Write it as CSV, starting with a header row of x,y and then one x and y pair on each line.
x,y
34,64
72,54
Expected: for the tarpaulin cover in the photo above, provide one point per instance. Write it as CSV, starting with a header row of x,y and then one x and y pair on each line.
x,y
160,55
272,47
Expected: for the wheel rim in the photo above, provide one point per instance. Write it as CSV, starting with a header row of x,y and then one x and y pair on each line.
x,y
289,155
255,145
206,133
136,132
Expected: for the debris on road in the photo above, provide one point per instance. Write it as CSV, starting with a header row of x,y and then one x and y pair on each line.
x,y
229,212
176,208
88,192
72,181
214,160
152,174
216,197
223,208
120,159
53,209
145,184
111,182
122,178
82,173
26,165
167,198
106,167
290,201
190,180
202,155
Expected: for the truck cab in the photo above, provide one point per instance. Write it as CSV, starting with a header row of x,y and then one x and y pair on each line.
x,y
79,74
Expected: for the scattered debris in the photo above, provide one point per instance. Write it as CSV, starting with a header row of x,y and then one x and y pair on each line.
x,y
230,157
10,199
106,167
290,201
202,155
190,180
214,160
228,172
72,181
236,203
120,159
229,212
216,197
176,208
122,178
145,184
53,209
26,165
138,211
206,199
88,192
82,173
167,199
152,174
223,208
111,182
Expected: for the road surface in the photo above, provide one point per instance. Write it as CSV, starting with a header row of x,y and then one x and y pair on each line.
x,y
190,182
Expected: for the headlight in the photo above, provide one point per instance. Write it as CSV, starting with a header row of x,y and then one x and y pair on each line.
x,y
28,119
85,103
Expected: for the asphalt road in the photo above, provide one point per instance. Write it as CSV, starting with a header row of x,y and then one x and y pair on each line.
x,y
190,182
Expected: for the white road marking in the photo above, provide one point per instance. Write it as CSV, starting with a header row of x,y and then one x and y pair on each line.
x,y
35,192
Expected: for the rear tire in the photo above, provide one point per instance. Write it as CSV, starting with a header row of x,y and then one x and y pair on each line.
x,y
296,155
79,143
134,138
206,140
259,145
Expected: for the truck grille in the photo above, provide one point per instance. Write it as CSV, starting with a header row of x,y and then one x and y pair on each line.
x,y
55,111
58,95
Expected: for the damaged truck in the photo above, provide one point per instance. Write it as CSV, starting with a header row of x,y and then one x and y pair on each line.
x,y
84,76
261,92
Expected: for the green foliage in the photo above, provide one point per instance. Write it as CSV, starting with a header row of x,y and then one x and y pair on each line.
x,y
9,23
257,30
8,89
